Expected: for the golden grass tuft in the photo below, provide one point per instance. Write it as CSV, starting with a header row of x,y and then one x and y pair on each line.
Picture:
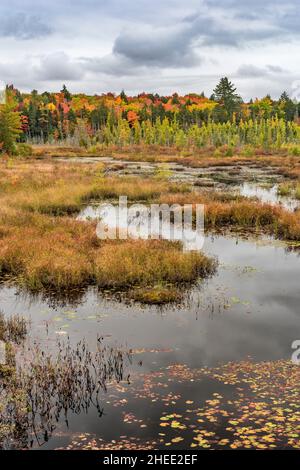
x,y
61,253
49,252
158,295
140,262
243,213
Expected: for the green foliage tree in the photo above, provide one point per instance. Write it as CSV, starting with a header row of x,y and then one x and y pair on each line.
x,y
66,93
123,96
229,101
10,125
52,116
288,106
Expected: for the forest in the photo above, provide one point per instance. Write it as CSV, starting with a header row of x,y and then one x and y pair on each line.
x,y
181,121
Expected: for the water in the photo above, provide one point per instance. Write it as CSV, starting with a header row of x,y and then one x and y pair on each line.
x,y
249,181
141,222
269,195
249,308
220,175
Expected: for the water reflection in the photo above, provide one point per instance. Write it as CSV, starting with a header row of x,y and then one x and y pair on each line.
x,y
142,222
250,308
269,195
47,386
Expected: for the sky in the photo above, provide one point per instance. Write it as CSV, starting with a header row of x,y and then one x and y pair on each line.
x,y
164,46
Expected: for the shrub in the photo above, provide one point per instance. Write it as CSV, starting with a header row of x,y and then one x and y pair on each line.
x,y
285,189
24,150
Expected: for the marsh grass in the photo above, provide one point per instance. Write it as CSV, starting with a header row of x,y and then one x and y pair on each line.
x,y
43,248
13,328
243,213
49,252
141,189
285,189
60,253
158,295
44,192
291,189
274,220
145,263
44,388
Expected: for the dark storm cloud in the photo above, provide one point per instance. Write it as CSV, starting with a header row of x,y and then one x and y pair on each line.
x,y
239,26
231,23
276,69
177,46
23,26
161,48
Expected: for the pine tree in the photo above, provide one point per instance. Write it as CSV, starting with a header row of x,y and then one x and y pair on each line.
x,y
229,101
123,96
66,93
288,106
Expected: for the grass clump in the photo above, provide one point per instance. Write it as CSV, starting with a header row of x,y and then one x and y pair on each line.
x,y
13,328
297,192
289,189
60,253
49,252
45,194
141,189
242,213
145,263
24,150
271,219
285,189
56,201
158,295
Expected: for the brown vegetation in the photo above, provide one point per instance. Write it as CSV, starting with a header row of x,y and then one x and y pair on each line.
x,y
43,247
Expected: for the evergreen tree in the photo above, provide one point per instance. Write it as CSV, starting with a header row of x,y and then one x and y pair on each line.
x,y
66,93
123,96
229,101
288,106
175,98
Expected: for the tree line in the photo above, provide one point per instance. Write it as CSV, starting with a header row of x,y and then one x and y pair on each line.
x,y
109,118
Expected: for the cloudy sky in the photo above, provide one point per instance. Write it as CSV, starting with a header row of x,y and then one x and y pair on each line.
x,y
97,46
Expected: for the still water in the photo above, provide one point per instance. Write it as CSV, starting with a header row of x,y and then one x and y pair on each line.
x,y
250,308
